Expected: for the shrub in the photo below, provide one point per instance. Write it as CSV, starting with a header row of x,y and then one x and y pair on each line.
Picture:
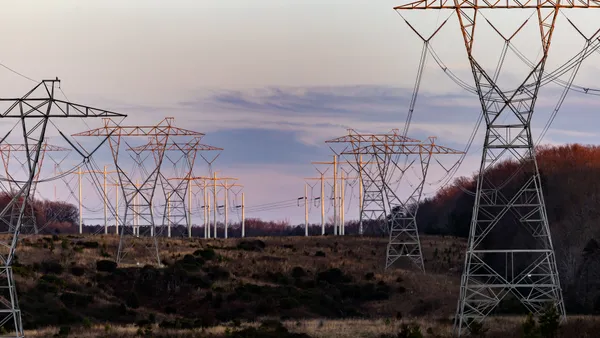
x,y
298,272
106,265
529,328
476,328
72,299
253,245
77,270
333,276
64,331
549,322
52,267
132,301
370,276
207,254
87,323
410,331
89,245
320,254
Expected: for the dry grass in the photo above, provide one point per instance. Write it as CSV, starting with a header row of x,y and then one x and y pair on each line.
x,y
500,327
427,299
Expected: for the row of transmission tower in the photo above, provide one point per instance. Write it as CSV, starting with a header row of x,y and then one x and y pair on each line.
x,y
163,170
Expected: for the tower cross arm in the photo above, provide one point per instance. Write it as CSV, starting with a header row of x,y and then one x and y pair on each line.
x,y
490,4
402,149
164,128
27,107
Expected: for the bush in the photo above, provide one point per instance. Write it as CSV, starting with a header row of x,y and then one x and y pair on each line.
x,y
207,254
529,328
298,272
476,328
52,267
106,265
549,322
333,276
64,331
133,301
253,245
72,299
89,245
77,270
320,254
370,276
410,331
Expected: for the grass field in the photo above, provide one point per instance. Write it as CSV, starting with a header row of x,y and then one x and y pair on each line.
x,y
319,286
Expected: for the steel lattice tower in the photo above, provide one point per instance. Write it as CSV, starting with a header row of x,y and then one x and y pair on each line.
x,y
385,150
34,112
530,271
370,169
139,196
28,220
176,210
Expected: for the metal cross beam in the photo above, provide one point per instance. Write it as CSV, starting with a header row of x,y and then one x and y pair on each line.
x,y
497,4
33,112
529,272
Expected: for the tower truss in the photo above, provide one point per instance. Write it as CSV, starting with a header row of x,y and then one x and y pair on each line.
x,y
33,113
177,211
528,270
380,185
28,221
139,193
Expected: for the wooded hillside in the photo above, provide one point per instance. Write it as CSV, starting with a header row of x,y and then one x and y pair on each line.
x,y
570,178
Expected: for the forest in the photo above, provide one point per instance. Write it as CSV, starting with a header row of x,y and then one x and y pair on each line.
x,y
570,176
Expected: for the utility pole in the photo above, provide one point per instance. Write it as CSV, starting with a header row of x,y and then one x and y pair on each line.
x,y
206,213
322,204
189,188
360,196
169,216
79,173
243,216
342,225
117,210
335,216
306,209
207,202
225,206
105,203
322,179
215,203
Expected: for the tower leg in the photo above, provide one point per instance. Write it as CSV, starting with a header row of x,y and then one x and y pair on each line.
x,y
10,314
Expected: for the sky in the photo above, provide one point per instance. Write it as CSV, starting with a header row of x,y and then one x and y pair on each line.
x,y
270,81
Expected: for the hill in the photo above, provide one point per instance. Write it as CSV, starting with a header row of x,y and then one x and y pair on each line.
x,y
570,178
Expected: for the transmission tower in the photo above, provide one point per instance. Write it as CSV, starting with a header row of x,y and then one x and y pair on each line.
x,y
176,189
34,113
139,197
28,222
530,272
384,152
